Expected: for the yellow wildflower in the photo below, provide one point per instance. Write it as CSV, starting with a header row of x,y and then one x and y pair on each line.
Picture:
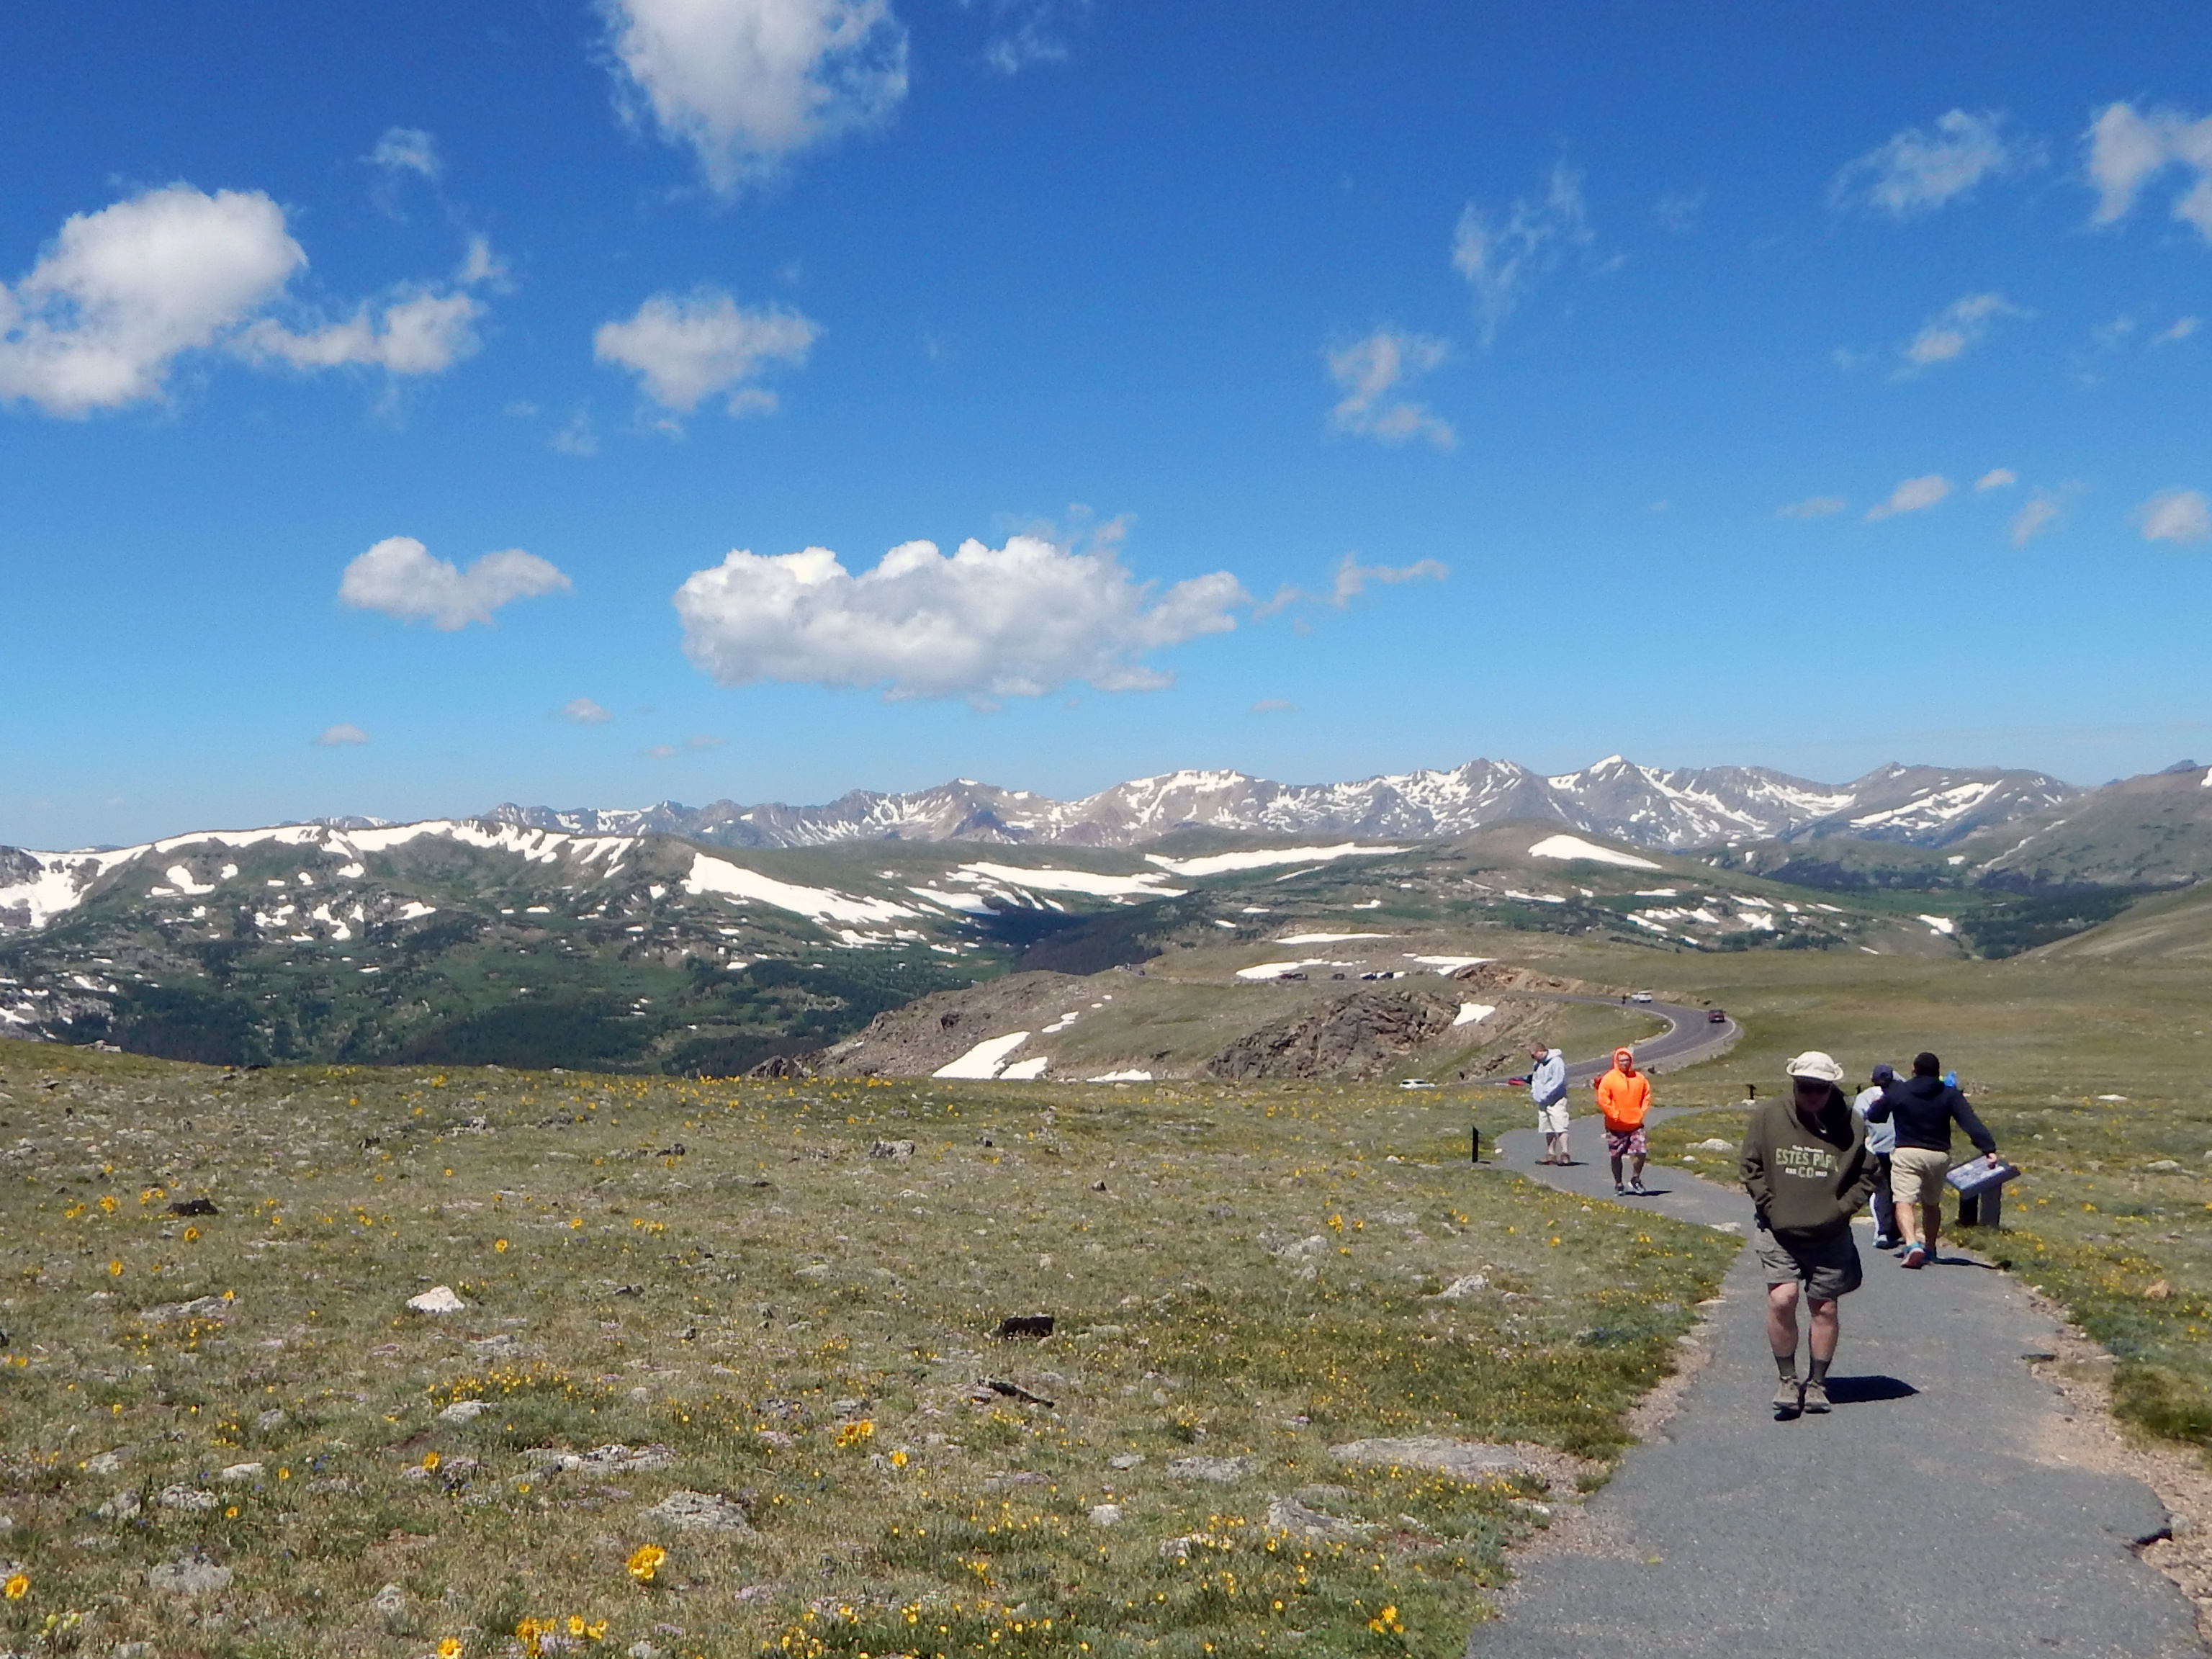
x,y
16,1588
429,1459
646,1562
500,1244
191,1235
450,1648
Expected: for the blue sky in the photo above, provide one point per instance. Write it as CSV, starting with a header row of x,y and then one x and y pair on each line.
x,y
1326,388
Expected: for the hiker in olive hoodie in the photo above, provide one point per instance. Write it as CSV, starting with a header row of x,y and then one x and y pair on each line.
x,y
1924,1109
1807,1168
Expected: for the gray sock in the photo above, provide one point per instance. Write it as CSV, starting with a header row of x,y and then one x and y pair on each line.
x,y
1785,1366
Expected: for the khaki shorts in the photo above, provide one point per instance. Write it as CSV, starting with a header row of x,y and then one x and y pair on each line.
x,y
1553,1119
1827,1267
1916,1176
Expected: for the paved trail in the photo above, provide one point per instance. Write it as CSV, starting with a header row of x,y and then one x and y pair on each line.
x,y
1931,1515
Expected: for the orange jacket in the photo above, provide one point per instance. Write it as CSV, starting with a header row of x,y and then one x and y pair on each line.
x,y
1623,1097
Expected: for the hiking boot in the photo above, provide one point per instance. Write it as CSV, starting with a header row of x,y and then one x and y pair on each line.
x,y
1916,1257
1619,1191
1790,1400
1814,1399
1637,1189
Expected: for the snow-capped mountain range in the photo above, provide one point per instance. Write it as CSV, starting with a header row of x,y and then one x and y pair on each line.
x,y
1669,808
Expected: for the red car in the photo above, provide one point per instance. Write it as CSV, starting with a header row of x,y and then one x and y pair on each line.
x,y
1715,1017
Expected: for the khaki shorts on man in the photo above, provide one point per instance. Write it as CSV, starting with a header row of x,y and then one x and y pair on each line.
x,y
1916,1177
1827,1267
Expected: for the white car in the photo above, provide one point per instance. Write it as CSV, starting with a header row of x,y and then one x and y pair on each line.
x,y
1417,1083
1640,996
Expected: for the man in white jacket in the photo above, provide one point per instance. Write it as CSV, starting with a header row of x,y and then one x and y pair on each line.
x,y
1547,1088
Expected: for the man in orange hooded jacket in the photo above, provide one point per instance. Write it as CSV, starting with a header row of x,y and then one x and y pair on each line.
x,y
1623,1096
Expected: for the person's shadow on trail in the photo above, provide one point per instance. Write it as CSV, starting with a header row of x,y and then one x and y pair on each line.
x,y
1868,1391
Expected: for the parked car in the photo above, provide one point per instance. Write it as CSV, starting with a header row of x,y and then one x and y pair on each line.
x,y
1640,996
1417,1083
1717,1016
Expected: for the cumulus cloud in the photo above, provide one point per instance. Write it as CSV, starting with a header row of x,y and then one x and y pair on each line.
x,y
424,333
2127,147
1917,171
407,149
1997,477
746,83
398,577
1913,495
1016,621
1369,371
1502,257
685,347
2175,515
341,736
122,293
1957,329
2180,330
584,712
2032,521
1812,506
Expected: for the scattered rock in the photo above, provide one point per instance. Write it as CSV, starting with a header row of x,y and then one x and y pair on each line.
x,y
1105,1515
389,1602
605,1460
781,1067
2158,1290
463,1411
438,1299
188,1575
1461,1288
239,1472
898,1151
1715,1145
135,1650
1209,1468
271,1419
644,1649
2163,1165
1299,1250
816,1270
123,1506
1180,1549
1359,1035
108,1462
200,1307
1289,1515
501,1346
700,1512
192,1500
1032,1326
1462,1460
1126,1460
450,1472
194,1206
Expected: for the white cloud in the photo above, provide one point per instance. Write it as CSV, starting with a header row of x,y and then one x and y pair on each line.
x,y
1274,706
1368,370
1677,212
2127,148
1913,495
578,437
424,333
1010,622
584,712
1350,581
122,293
2180,330
480,265
1917,171
1957,329
745,83
1997,477
1026,32
1502,261
398,577
2175,515
1812,506
687,347
407,149
341,736
2033,521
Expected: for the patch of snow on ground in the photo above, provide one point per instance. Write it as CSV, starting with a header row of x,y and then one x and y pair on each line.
x,y
721,878
1536,898
972,904
415,910
1448,965
984,1060
1145,885
1063,1022
1658,892
1324,939
1026,1071
1120,1076
1295,874
1943,925
1471,1012
181,879
1230,925
1267,970
1574,846
1214,864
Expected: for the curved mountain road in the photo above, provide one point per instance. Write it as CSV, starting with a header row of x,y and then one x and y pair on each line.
x,y
1691,1035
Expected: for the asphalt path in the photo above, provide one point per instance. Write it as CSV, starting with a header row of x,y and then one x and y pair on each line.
x,y
1933,1514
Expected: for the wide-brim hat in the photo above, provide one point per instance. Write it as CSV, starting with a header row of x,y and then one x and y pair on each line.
x,y
1814,1064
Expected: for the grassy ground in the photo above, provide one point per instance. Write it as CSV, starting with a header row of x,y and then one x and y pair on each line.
x,y
730,1282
